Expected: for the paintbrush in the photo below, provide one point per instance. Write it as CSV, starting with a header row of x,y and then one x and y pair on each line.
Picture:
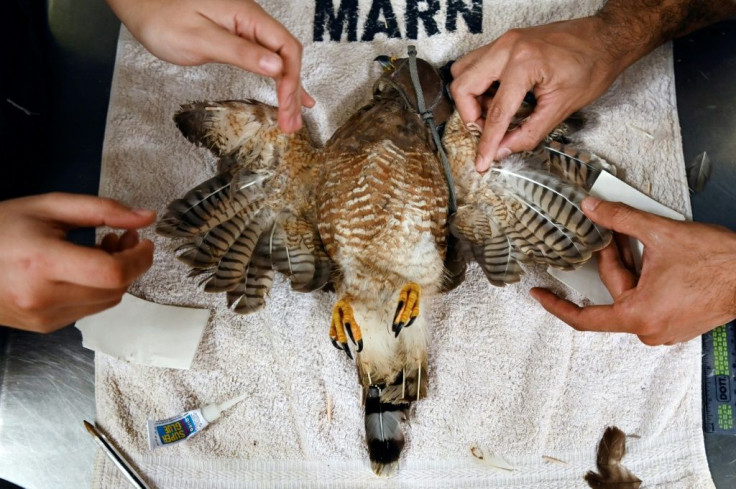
x,y
116,457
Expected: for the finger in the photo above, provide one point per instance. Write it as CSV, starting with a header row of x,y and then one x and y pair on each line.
x,y
289,95
507,101
626,255
268,54
654,340
110,243
469,60
53,320
307,100
217,44
590,318
617,278
64,295
93,267
128,240
76,210
623,218
273,35
540,123
471,83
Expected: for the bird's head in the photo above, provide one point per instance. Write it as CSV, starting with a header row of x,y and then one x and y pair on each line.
x,y
395,81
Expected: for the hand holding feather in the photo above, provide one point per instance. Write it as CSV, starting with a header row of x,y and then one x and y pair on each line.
x,y
235,32
687,284
48,282
566,64
560,62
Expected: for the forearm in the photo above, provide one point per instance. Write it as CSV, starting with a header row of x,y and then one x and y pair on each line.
x,y
632,28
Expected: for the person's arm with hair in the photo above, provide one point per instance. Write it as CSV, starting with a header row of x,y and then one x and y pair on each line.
x,y
566,65
235,32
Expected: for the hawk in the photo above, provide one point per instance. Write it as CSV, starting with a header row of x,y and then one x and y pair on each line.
x,y
366,216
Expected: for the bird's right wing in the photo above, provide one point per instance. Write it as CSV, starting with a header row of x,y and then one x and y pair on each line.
x,y
258,215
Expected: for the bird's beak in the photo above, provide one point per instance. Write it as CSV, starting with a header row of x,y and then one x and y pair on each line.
x,y
385,61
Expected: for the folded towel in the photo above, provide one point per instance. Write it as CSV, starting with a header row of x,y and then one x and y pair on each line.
x,y
505,377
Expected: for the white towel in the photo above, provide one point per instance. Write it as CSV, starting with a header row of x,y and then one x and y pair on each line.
x,y
504,376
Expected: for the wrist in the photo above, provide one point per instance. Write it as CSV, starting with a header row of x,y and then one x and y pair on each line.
x,y
618,48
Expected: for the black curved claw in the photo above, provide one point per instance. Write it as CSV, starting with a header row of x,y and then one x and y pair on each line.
x,y
349,331
360,346
398,310
335,344
411,321
346,349
397,329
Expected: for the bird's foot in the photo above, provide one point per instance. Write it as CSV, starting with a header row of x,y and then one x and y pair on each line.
x,y
343,325
408,307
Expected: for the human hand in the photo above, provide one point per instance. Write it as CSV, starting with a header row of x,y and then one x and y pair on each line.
x,y
46,282
687,285
236,32
565,64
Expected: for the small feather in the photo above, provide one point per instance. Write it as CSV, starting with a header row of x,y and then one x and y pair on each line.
x,y
611,474
699,171
553,460
258,279
493,461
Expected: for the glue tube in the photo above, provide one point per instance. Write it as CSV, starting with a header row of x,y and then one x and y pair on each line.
x,y
185,425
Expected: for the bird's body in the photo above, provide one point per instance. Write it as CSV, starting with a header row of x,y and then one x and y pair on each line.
x,y
367,214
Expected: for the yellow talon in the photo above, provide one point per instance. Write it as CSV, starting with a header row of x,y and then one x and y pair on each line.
x,y
408,307
343,325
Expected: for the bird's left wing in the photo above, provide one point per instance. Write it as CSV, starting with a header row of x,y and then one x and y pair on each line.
x,y
257,215
526,210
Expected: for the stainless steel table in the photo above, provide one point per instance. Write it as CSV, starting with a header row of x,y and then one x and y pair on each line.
x,y
47,382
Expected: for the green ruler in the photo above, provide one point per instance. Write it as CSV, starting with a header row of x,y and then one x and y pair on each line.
x,y
719,380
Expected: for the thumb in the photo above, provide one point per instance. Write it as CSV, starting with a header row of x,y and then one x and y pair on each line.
x,y
622,218
75,210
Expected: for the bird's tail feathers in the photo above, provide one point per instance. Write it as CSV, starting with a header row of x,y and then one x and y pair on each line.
x,y
393,374
383,431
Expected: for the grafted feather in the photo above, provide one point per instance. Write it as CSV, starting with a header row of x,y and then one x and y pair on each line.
x,y
574,164
207,249
210,204
496,259
553,235
383,431
323,268
477,228
232,266
258,279
292,250
559,201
